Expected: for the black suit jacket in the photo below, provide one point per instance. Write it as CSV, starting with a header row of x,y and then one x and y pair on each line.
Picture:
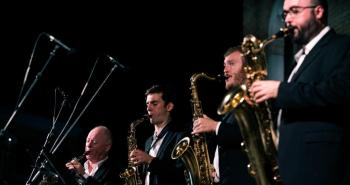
x,y
164,170
233,160
314,134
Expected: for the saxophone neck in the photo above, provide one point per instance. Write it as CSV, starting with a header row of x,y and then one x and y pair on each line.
x,y
197,76
283,32
138,121
258,45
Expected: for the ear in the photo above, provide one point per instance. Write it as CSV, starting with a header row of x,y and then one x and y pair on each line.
x,y
170,106
319,12
108,147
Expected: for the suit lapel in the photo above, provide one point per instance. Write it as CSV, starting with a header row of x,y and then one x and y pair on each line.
x,y
148,144
314,54
101,170
167,139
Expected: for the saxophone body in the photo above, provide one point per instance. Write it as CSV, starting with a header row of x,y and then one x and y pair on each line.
x,y
195,155
131,174
255,120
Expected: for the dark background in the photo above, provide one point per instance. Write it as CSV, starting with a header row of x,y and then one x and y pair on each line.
x,y
160,43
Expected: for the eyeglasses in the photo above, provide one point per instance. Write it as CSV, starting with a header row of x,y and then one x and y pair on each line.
x,y
295,10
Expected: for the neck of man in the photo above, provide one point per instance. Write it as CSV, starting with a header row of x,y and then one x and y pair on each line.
x,y
159,127
95,161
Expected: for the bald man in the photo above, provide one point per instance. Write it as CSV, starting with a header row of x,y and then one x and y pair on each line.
x,y
97,169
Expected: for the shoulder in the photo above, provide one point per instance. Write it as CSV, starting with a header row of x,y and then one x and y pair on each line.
x,y
179,126
339,39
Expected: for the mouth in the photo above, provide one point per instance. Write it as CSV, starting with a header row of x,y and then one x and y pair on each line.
x,y
87,152
294,31
227,77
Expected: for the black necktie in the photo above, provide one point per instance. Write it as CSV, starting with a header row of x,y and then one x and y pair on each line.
x,y
156,137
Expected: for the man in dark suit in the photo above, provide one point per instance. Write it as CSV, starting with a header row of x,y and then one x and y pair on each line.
x,y
97,169
160,168
313,131
230,161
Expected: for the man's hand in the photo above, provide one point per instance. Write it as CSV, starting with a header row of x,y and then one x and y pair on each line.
x,y
140,157
262,90
76,166
204,124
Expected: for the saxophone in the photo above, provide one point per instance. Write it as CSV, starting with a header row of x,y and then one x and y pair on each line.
x,y
255,120
196,157
131,174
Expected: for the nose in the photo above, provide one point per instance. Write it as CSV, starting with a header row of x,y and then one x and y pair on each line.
x,y
149,106
89,144
226,69
287,19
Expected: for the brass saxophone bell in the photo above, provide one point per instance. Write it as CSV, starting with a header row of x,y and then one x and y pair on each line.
x,y
231,100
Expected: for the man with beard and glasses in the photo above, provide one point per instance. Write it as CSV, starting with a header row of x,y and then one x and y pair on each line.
x,y
313,129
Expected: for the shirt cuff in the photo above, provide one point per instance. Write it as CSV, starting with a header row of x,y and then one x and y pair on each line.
x,y
85,175
217,128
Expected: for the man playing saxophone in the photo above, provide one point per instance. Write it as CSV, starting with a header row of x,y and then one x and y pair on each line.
x,y
159,167
230,162
314,134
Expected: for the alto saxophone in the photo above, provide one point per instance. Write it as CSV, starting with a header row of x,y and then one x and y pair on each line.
x,y
195,157
255,120
131,174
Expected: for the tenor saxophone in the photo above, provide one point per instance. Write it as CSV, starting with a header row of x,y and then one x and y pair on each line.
x,y
131,174
195,157
255,120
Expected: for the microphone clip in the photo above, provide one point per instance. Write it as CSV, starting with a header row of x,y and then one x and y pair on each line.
x,y
115,62
58,42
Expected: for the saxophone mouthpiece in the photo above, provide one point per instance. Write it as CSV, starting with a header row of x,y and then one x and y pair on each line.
x,y
221,77
283,32
81,156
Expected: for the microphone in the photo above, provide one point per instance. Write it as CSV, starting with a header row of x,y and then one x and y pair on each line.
x,y
62,92
114,61
53,39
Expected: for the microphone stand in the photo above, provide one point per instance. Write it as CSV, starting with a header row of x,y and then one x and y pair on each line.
x,y
53,150
39,74
44,168
32,178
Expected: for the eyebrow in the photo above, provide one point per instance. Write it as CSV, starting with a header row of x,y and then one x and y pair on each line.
x,y
153,101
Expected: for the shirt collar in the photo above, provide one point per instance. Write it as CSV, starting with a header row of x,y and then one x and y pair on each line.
x,y
308,47
97,166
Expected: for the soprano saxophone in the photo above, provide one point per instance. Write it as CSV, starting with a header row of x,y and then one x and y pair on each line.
x,y
195,157
131,174
255,120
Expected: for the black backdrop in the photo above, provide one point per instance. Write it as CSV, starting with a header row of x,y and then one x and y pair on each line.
x,y
160,43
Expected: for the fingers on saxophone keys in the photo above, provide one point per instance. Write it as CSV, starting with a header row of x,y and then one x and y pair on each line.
x,y
70,165
133,158
195,124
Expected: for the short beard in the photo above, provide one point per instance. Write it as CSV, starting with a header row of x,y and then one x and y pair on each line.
x,y
307,33
239,78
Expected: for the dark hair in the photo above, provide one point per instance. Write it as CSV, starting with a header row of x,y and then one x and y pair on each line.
x,y
324,4
167,94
